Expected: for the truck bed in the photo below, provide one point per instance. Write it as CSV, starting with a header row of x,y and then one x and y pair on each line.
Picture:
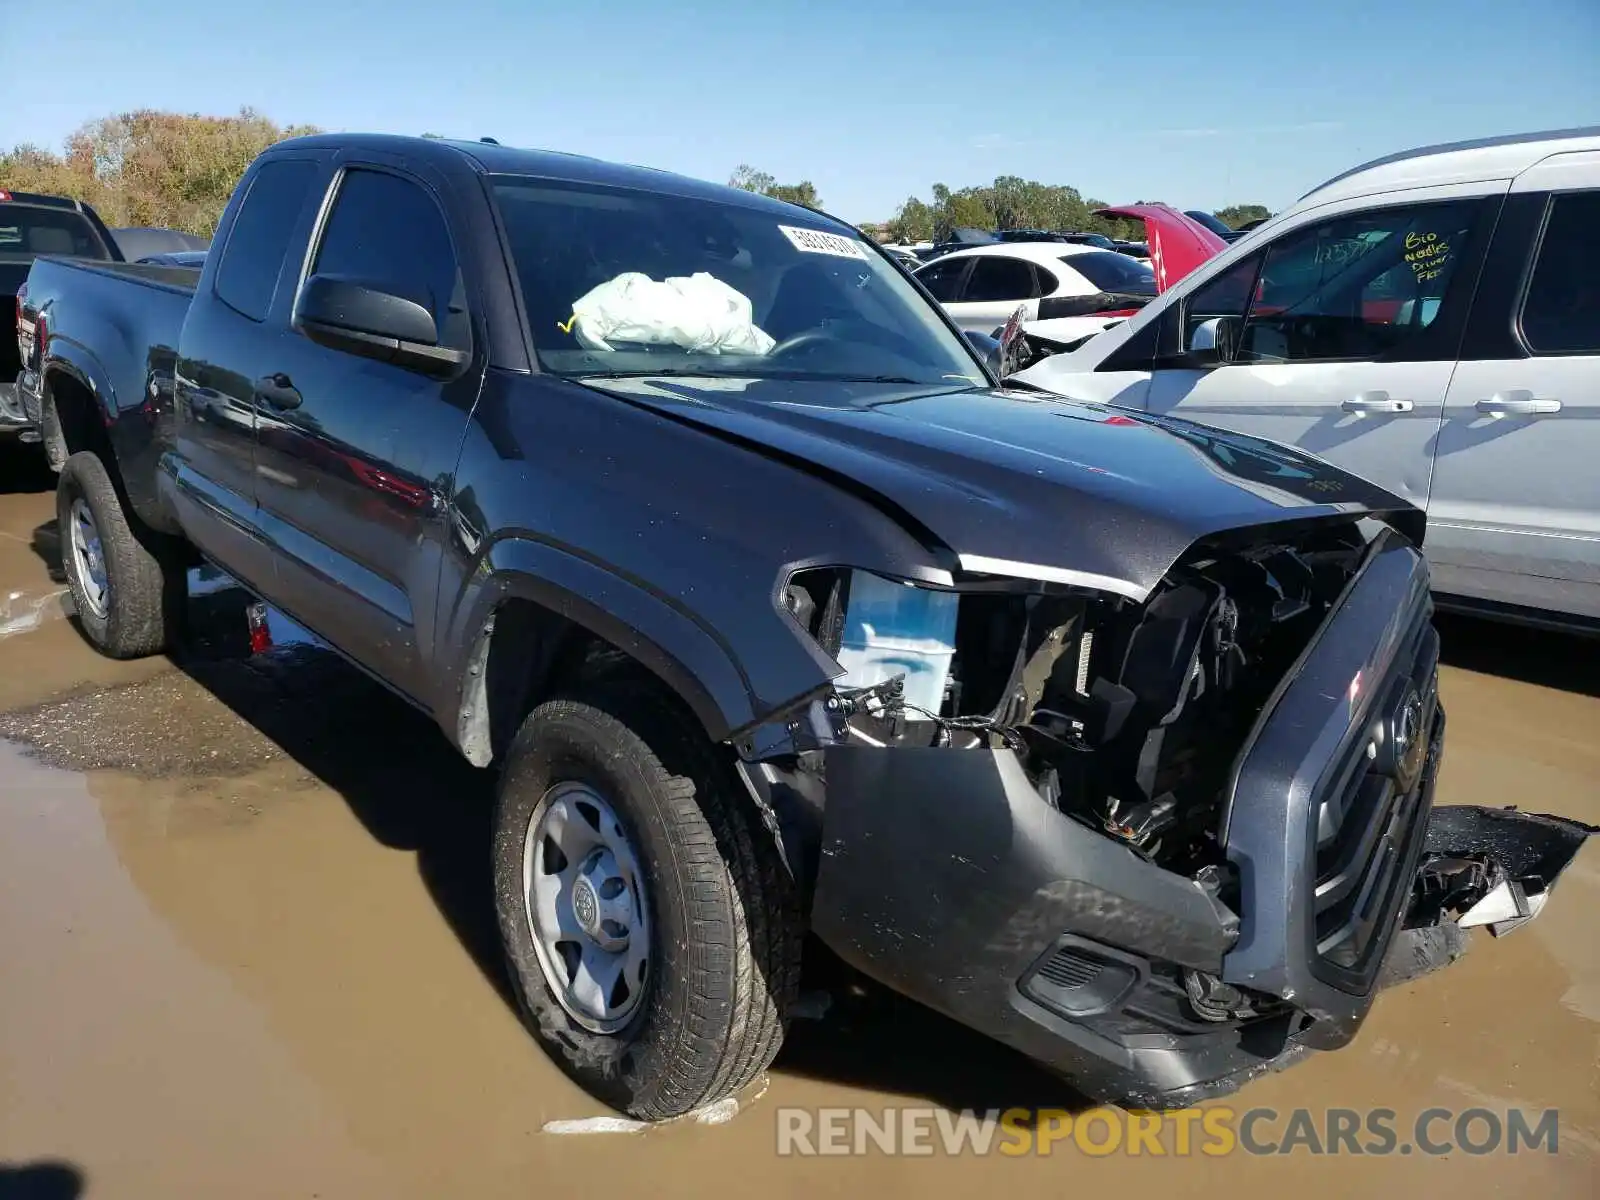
x,y
113,330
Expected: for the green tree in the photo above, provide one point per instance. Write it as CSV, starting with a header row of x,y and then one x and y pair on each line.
x,y
1236,215
172,170
751,180
913,221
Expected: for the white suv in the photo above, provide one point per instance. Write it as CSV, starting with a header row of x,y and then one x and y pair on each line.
x,y
1430,320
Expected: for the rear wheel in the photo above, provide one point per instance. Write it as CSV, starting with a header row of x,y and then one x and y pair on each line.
x,y
648,921
119,585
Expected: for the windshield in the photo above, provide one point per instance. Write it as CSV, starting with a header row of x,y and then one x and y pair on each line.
x,y
26,229
623,282
1113,272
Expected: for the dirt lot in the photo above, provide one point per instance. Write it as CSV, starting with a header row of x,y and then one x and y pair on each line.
x,y
246,949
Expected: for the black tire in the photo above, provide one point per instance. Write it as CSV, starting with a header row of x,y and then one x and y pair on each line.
x,y
726,936
135,619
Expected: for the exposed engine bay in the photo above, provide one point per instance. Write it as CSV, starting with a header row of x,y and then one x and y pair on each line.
x,y
1126,717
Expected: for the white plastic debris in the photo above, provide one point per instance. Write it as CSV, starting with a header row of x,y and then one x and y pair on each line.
x,y
718,1112
699,312
596,1125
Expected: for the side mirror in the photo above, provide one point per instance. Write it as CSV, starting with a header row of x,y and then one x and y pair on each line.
x,y
1214,342
361,318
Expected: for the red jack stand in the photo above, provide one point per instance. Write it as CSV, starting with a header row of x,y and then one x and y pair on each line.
x,y
260,634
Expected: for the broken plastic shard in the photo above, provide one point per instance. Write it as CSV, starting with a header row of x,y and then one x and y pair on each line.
x,y
596,1125
1505,907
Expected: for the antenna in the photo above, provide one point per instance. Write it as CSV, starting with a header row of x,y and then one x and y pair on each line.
x,y
491,141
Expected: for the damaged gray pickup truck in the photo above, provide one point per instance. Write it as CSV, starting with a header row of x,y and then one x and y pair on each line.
x,y
1110,736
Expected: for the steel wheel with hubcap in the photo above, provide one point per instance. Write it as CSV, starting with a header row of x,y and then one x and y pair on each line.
x,y
587,907
89,560
650,926
126,580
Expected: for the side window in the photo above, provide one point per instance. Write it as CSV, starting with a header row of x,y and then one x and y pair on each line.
x,y
943,278
1356,287
1228,295
997,278
387,232
1045,281
1561,312
247,274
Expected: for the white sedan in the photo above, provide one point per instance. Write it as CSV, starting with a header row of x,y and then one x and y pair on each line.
x,y
982,286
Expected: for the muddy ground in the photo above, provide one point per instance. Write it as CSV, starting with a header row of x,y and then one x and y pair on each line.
x,y
246,949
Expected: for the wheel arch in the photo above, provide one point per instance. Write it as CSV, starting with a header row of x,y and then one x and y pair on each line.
x,y
544,617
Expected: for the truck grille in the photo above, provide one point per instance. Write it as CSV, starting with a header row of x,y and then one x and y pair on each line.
x,y
1368,821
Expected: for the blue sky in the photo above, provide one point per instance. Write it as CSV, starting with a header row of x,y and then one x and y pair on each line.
x,y
1200,103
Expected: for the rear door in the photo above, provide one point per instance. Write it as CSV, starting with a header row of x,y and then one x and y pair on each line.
x,y
1515,512
1347,325
227,343
997,284
355,455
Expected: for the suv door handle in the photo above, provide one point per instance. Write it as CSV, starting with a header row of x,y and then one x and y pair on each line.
x,y
1376,402
1518,404
278,390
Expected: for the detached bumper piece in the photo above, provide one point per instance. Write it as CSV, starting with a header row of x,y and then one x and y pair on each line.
x,y
1493,867
945,875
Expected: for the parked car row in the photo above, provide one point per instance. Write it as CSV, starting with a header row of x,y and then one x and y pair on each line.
x,y
791,622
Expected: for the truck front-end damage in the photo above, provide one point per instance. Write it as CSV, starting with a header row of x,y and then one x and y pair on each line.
x,y
1161,845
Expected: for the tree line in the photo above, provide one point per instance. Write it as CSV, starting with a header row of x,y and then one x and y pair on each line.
x,y
162,169
1010,202
177,170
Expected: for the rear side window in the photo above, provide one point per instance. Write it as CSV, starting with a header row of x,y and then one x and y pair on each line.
x,y
995,278
387,232
26,229
1113,272
942,279
1561,313
247,274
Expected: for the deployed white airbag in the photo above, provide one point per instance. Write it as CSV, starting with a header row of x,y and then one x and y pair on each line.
x,y
700,313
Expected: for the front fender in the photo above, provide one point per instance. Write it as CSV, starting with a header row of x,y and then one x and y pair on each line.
x,y
676,645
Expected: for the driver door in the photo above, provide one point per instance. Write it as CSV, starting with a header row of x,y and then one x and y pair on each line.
x,y
1339,336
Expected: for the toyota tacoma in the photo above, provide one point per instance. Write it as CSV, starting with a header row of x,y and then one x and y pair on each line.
x,y
1111,736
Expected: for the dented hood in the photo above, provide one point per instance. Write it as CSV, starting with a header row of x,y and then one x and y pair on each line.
x,y
1022,483
1178,243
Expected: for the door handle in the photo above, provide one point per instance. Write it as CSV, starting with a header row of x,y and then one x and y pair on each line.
x,y
1376,402
278,391
1517,404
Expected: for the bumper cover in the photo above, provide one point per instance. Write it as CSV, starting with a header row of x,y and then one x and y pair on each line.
x,y
944,876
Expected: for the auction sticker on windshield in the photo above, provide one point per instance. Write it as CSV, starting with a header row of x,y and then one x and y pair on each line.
x,y
814,241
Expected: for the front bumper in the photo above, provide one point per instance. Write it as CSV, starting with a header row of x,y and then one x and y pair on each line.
x,y
945,876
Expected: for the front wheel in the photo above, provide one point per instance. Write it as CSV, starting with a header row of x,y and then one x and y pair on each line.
x,y
648,921
119,585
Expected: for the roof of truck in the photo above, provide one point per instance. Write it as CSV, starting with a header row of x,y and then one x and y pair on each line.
x,y
1456,162
495,159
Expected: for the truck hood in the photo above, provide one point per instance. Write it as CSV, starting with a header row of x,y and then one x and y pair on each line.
x,y
1178,243
1022,483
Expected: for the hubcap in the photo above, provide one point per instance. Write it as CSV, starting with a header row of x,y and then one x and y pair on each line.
x,y
88,559
586,906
